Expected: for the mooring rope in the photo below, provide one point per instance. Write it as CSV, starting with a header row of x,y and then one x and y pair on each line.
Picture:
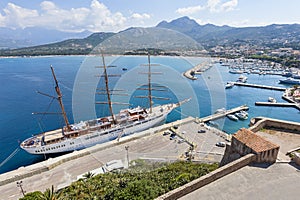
x,y
10,156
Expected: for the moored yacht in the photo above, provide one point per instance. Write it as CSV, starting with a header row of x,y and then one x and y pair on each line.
x,y
232,117
241,115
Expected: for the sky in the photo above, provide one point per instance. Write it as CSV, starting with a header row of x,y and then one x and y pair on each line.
x,y
117,15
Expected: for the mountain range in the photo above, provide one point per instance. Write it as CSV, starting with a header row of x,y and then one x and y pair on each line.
x,y
208,35
32,36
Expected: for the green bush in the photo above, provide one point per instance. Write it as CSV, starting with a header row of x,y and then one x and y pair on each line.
x,y
134,183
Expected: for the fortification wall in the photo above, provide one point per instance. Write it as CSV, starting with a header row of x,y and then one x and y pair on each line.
x,y
208,178
260,123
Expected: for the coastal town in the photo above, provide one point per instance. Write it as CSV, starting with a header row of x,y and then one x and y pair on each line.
x,y
137,100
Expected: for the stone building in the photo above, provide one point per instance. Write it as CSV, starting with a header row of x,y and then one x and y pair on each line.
x,y
244,142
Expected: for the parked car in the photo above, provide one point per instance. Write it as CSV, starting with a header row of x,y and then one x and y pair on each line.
x,y
173,137
166,133
201,131
173,134
220,144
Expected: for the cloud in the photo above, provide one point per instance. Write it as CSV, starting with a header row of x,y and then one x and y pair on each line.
x,y
140,16
18,16
96,17
230,5
189,10
211,6
218,6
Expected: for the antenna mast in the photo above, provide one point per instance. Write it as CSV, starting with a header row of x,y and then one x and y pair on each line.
x,y
59,98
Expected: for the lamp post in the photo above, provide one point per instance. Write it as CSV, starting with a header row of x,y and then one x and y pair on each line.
x,y
126,148
19,184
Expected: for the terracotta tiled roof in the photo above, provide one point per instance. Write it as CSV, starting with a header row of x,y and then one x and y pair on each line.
x,y
254,141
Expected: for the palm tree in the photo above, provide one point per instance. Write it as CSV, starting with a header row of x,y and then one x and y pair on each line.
x,y
50,194
88,175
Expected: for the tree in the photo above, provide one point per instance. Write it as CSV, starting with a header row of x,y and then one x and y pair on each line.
x,y
50,194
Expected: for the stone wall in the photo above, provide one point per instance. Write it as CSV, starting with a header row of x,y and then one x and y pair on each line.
x,y
259,123
208,178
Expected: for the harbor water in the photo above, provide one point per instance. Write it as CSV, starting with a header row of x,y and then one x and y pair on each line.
x,y
20,78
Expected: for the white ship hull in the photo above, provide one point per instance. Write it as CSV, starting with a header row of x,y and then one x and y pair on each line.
x,y
97,137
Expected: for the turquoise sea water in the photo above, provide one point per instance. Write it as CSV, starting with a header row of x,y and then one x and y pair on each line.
x,y
20,78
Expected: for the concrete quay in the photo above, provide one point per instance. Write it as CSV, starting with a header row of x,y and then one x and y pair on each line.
x,y
259,86
275,104
151,144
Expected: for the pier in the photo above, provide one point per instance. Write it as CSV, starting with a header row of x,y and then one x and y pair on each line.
x,y
275,104
259,86
223,114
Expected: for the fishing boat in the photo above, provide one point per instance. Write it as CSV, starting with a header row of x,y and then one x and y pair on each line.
x,y
89,133
232,117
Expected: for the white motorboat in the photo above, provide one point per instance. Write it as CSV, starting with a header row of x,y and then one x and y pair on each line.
x,y
232,117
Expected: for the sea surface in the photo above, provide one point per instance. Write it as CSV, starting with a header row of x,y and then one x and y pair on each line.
x,y
80,80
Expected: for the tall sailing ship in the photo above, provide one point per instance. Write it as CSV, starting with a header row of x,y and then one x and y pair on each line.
x,y
89,133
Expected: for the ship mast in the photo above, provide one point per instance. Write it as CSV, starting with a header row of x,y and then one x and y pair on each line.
x,y
108,91
151,87
149,84
59,98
